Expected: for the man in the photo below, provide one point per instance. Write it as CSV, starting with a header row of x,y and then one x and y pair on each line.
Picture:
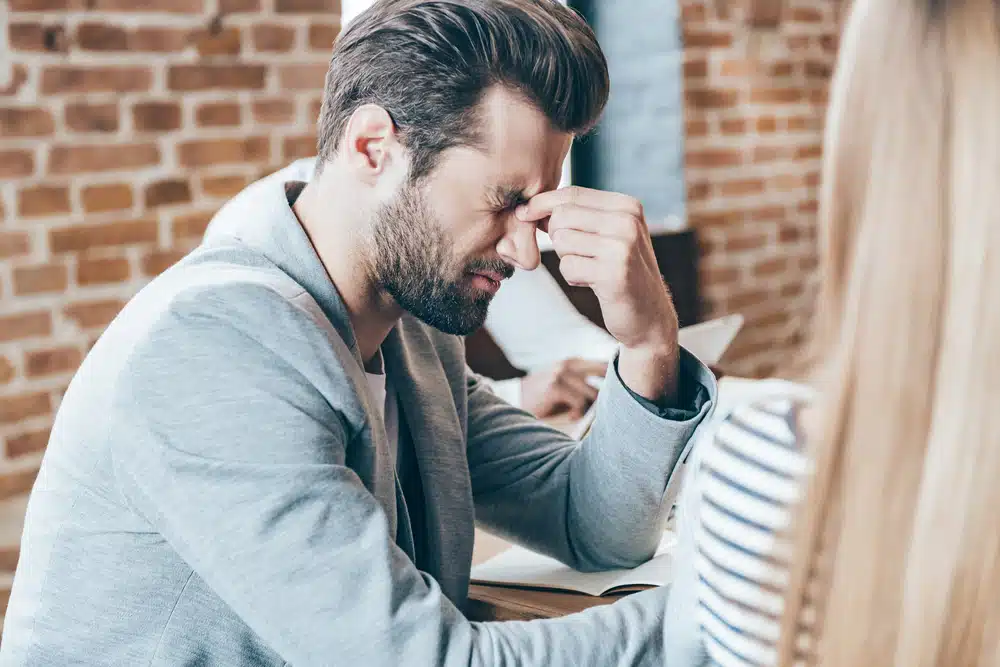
x,y
562,351
275,454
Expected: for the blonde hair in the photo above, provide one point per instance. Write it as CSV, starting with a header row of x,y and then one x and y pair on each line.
x,y
897,544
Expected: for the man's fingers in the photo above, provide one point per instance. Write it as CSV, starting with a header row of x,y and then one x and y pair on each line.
x,y
580,271
543,204
574,242
578,385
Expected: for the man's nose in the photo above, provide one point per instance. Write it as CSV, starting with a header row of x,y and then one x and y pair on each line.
x,y
519,245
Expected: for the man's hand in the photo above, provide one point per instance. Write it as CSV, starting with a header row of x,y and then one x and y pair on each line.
x,y
603,243
561,387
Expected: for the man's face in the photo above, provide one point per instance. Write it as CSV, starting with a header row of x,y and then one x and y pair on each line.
x,y
441,247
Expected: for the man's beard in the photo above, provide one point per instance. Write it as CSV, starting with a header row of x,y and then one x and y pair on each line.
x,y
414,261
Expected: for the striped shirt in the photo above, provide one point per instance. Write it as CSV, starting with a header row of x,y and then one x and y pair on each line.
x,y
744,482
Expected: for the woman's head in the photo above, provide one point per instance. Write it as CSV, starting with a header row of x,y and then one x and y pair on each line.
x,y
900,523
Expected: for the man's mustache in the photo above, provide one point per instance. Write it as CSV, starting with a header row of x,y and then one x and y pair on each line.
x,y
491,266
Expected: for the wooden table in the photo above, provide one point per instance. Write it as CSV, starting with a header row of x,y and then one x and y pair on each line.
x,y
500,603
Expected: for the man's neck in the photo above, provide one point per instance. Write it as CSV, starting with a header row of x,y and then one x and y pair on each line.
x,y
337,241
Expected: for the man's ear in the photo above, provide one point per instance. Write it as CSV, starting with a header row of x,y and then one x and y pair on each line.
x,y
371,145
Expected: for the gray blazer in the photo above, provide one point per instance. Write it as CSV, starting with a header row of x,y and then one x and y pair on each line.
x,y
216,490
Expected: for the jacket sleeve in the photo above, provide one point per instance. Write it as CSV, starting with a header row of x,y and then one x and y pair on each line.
x,y
595,504
227,450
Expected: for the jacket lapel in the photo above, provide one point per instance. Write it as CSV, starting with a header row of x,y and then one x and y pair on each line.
x,y
424,394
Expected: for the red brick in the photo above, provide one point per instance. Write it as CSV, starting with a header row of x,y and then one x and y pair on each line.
x,y
767,124
789,234
167,192
813,178
83,237
733,126
771,267
156,116
51,361
776,95
42,5
830,43
699,191
14,244
112,197
38,37
207,77
222,186
306,6
219,114
294,148
93,314
703,219
786,182
159,40
805,15
27,443
58,79
102,157
720,275
101,37
16,163
810,206
818,69
694,39
696,69
767,213
25,325
799,43
302,77
101,271
273,111
25,122
43,200
17,408
693,13
40,279
226,42
92,117
205,152
714,157
819,97
7,370
322,35
711,98
749,186
239,6
271,38
18,481
747,299
191,226
158,6
751,241
781,69
815,150
695,127
158,261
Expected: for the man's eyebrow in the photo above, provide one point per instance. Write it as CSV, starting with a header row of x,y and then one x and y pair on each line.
x,y
507,196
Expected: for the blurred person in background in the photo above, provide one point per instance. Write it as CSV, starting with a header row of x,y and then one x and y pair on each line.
x,y
855,522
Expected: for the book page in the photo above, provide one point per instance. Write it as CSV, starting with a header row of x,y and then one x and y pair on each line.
x,y
524,568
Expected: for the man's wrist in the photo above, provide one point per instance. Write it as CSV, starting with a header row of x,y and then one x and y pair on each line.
x,y
651,371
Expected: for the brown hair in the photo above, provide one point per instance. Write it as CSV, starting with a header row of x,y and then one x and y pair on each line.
x,y
896,558
428,63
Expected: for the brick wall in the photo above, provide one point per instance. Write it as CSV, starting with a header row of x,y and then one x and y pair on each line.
x,y
754,107
126,123
124,126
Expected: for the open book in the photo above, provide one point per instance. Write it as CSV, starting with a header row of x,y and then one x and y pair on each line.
x,y
524,568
